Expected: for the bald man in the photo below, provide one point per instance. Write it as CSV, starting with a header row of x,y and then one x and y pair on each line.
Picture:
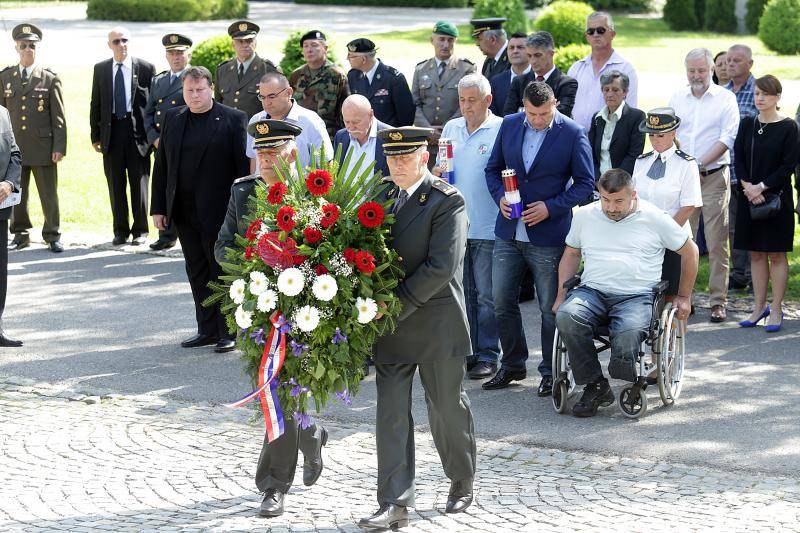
x,y
360,136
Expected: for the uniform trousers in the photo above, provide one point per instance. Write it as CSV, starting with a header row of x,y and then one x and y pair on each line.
x,y
46,178
3,267
716,193
278,460
449,416
123,164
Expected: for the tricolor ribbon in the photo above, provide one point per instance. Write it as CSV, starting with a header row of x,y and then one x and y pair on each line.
x,y
271,363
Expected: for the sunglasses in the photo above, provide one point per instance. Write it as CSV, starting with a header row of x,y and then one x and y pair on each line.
x,y
118,41
598,31
23,46
270,96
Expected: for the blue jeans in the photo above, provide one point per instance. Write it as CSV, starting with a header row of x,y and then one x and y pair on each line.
x,y
480,305
510,258
628,319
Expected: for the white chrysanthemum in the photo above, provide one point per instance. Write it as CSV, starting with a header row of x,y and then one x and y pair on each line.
x,y
267,301
258,283
367,309
291,282
325,287
237,291
307,318
244,319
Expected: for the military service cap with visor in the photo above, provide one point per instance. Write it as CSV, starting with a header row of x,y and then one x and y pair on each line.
x,y
243,29
176,41
405,140
26,32
271,133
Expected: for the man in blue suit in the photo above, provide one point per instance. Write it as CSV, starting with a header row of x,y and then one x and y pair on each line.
x,y
361,133
546,149
501,83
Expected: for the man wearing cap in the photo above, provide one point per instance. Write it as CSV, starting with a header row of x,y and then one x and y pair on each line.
x,y
319,85
166,92
273,140
384,86
10,171
491,39
435,84
34,100
432,335
237,79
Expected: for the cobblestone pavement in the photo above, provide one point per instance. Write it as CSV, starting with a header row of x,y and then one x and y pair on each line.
x,y
74,462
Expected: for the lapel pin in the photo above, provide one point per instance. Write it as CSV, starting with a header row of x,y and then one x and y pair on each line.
x,y
423,198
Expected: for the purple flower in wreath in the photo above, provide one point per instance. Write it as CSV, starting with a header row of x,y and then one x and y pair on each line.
x,y
339,337
258,337
283,325
297,348
297,390
345,397
303,419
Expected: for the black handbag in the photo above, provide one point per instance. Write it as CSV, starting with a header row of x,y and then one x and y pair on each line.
x,y
772,201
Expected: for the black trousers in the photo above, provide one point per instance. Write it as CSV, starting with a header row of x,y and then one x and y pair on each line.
x,y
3,267
278,460
201,266
123,164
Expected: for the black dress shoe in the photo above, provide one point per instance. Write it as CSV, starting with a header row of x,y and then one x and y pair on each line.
x,y
272,504
19,244
225,345
482,370
595,395
460,496
199,340
8,342
545,386
389,516
312,465
162,244
119,240
56,247
140,240
472,360
503,378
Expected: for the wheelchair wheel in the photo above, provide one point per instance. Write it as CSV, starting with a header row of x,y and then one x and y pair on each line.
x,y
671,357
632,402
561,382
560,395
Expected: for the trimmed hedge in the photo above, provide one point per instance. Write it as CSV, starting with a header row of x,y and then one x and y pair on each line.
x,y
213,51
565,56
721,16
512,10
778,26
755,8
293,52
165,11
565,20
683,15
389,3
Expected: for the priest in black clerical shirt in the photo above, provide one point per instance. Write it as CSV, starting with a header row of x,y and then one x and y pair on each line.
x,y
201,153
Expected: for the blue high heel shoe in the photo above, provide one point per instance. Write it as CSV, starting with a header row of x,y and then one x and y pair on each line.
x,y
772,328
763,316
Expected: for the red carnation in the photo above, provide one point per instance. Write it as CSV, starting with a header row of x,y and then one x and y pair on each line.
x,y
319,182
320,270
312,234
248,252
285,218
276,192
330,214
298,259
370,214
350,255
277,253
365,262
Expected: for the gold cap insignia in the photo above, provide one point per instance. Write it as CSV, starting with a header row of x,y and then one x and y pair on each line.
x,y
243,26
396,136
263,129
351,47
653,120
173,39
26,29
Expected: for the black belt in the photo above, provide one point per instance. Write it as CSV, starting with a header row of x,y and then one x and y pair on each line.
x,y
705,173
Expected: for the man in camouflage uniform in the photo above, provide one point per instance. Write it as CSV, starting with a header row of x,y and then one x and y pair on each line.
x,y
33,97
237,79
319,85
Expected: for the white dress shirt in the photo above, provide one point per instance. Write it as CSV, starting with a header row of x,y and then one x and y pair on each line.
x,y
29,70
371,72
368,150
608,133
127,74
589,98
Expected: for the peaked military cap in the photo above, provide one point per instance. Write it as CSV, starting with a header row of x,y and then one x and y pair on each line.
x,y
26,32
269,133
660,120
243,29
312,35
445,28
176,41
404,140
481,25
361,46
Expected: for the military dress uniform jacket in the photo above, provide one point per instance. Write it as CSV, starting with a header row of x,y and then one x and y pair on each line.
x,y
37,113
388,93
164,95
430,234
492,68
10,160
322,91
238,209
436,100
241,94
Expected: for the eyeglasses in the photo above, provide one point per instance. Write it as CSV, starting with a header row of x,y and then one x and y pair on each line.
x,y
118,41
23,46
599,31
271,96
353,57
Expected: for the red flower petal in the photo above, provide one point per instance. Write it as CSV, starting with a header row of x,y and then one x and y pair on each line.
x,y
370,215
312,235
319,182
276,192
285,218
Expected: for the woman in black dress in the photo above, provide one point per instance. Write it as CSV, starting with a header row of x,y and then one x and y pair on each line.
x,y
766,151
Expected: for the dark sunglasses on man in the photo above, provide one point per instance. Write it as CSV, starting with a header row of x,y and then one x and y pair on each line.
x,y
600,31
118,41
23,46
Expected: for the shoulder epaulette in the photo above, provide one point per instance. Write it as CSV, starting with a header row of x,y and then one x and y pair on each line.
x,y
225,62
648,154
7,68
51,71
684,155
387,179
444,187
245,179
465,60
162,73
423,62
392,70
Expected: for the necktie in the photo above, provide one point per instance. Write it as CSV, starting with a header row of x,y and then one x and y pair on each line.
x,y
402,198
657,169
172,78
24,76
442,66
120,102
539,78
241,71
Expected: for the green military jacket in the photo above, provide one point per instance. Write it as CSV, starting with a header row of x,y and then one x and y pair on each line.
x,y
37,113
323,91
241,94
435,99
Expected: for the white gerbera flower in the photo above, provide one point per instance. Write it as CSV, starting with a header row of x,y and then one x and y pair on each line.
x,y
325,287
291,282
244,319
367,309
237,291
267,301
307,318
258,283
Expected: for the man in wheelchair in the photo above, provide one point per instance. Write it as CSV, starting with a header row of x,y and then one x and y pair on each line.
x,y
622,240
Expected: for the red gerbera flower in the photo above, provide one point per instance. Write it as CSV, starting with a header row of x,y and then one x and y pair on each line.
x,y
330,214
277,253
365,262
285,218
319,182
248,252
370,214
276,192
252,231
312,234
320,270
350,255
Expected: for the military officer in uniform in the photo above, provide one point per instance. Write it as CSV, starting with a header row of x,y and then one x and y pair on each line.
x,y
432,335
319,85
435,85
273,140
237,79
384,86
492,40
33,97
166,92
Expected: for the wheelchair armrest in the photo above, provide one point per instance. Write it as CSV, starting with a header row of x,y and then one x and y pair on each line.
x,y
661,287
572,282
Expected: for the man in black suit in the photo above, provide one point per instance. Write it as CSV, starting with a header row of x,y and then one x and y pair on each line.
x,y
201,153
540,55
361,132
120,89
501,83
10,176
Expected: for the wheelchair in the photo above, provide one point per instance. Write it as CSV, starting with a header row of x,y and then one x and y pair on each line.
x,y
665,340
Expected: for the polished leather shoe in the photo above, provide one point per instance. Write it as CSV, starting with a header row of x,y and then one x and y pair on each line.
x,y
389,516
162,244
140,240
55,247
272,504
19,244
545,386
503,378
482,370
225,345
312,465
718,314
199,340
460,496
119,240
8,342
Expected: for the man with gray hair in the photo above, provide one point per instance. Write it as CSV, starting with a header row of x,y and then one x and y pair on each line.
x,y
589,99
360,136
709,123
491,38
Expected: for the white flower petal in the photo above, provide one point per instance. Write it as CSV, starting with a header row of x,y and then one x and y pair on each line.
x,y
367,309
307,318
237,291
291,282
258,283
267,301
244,319
325,287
